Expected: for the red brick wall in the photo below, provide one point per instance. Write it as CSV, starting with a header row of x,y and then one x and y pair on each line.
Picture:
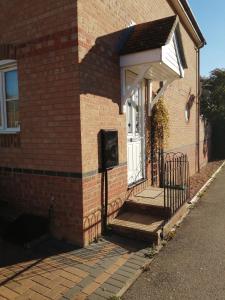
x,y
55,197
45,33
99,27
48,83
69,82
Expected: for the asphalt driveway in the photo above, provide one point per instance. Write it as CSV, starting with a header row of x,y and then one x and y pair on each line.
x,y
192,265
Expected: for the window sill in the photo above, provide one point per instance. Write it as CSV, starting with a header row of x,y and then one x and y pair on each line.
x,y
9,131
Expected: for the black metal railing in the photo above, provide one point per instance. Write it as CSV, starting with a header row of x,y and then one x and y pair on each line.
x,y
176,181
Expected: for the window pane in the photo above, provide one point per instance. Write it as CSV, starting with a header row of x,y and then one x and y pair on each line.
x,y
129,117
137,115
12,111
11,84
0,113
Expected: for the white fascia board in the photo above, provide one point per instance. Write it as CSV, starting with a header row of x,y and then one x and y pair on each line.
x,y
184,16
167,63
138,58
138,79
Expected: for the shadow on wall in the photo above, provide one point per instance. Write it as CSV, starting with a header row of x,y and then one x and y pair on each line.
x,y
100,67
100,77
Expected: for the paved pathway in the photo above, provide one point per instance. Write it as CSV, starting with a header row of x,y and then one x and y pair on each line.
x,y
192,265
56,270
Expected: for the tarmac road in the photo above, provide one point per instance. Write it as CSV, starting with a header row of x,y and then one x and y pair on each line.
x,y
192,265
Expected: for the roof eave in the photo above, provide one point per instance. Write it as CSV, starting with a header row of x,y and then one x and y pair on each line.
x,y
183,9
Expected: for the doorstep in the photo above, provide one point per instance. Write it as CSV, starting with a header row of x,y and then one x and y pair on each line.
x,y
142,216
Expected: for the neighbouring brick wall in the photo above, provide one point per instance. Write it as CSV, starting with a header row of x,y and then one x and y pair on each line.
x,y
45,35
99,32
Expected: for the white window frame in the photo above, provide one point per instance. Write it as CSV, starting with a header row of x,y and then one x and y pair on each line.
x,y
3,69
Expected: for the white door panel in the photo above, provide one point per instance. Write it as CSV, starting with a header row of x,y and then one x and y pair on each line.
x,y
135,136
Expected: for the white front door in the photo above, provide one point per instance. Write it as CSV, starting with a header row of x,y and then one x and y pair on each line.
x,y
135,137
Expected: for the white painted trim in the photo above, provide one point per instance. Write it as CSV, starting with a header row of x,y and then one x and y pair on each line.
x,y
149,97
143,125
178,56
168,63
143,57
9,131
134,136
7,62
123,88
184,16
135,83
161,92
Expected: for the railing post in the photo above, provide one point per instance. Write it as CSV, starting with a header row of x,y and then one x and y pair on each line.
x,y
176,180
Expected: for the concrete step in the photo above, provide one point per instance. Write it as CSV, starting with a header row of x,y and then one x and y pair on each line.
x,y
145,207
138,226
150,200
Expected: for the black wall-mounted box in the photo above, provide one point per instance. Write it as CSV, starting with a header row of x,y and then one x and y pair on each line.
x,y
110,151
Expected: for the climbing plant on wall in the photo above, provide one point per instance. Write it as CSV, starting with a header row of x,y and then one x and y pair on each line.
x,y
148,132
159,125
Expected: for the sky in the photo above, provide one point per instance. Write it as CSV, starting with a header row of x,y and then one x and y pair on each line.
x,y
210,15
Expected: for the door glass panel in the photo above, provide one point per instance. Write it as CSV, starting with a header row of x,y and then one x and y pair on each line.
x,y
137,120
134,141
129,117
137,112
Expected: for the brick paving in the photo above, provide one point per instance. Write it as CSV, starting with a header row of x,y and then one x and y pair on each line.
x,y
57,270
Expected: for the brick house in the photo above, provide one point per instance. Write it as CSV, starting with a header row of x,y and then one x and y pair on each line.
x,y
71,68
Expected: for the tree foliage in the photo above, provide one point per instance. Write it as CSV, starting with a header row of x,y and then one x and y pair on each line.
x,y
213,96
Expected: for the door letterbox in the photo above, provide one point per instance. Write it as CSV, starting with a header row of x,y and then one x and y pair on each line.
x,y
110,155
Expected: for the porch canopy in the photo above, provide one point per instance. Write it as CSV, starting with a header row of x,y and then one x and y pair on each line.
x,y
154,51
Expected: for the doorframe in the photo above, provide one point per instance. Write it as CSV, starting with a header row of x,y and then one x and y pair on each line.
x,y
141,93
